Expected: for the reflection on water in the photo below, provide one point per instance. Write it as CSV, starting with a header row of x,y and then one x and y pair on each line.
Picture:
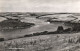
x,y
41,25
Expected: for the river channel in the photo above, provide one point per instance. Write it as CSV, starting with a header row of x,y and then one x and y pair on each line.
x,y
40,25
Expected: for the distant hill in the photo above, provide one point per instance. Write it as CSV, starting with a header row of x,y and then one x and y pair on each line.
x,y
14,24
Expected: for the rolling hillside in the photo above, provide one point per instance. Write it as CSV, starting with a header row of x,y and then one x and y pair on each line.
x,y
59,42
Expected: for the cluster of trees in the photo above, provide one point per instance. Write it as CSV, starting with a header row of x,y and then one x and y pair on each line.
x,y
60,29
37,34
73,29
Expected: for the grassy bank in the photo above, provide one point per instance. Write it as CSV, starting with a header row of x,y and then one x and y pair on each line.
x,y
59,42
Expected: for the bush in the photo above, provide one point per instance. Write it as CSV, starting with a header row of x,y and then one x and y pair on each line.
x,y
60,29
67,30
1,39
29,35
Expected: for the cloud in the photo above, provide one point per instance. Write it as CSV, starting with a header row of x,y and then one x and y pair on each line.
x,y
39,5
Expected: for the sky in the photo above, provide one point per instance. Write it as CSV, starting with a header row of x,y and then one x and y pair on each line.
x,y
39,5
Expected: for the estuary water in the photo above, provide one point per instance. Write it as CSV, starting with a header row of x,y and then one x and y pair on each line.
x,y
40,25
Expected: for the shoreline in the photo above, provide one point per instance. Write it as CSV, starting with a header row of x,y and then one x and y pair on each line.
x,y
64,31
